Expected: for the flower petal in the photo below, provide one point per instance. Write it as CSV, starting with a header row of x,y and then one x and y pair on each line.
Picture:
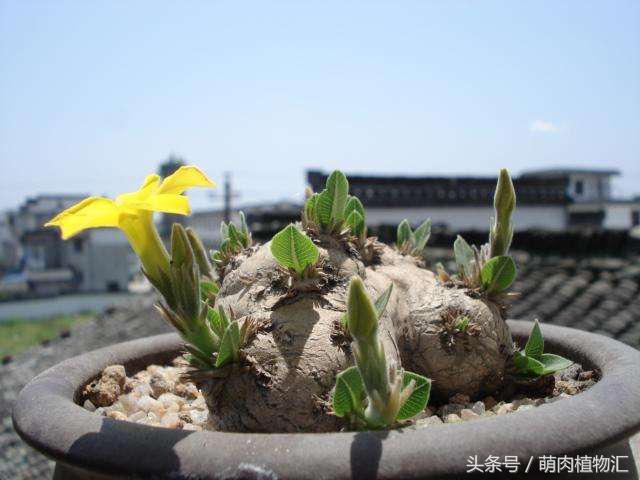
x,y
167,203
183,178
148,188
89,213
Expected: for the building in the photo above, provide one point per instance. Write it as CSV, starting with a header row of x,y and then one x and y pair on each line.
x,y
93,261
553,199
263,220
10,251
206,224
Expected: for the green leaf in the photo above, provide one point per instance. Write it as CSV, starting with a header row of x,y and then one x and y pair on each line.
x,y
244,228
235,237
181,251
344,320
381,303
420,236
216,323
498,274
338,188
209,288
535,343
324,206
225,246
348,395
527,366
464,255
293,249
418,400
462,324
355,222
310,208
404,233
224,231
230,345
199,357
224,318
216,256
354,205
362,315
554,363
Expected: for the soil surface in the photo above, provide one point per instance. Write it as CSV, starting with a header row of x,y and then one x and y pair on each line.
x,y
161,396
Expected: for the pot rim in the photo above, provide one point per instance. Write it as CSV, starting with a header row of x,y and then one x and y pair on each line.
x,y
47,418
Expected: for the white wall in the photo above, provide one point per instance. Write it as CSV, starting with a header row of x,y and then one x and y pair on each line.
x,y
618,215
470,218
207,225
595,187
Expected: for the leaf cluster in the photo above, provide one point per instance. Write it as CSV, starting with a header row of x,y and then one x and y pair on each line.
x,y
372,394
412,242
213,338
233,240
333,210
533,362
350,398
231,334
477,270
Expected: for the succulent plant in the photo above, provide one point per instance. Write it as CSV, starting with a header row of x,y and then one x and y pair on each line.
x,y
488,269
411,242
374,394
533,362
233,240
212,337
269,361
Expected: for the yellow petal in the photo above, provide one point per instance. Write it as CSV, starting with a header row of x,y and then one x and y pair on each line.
x,y
183,178
89,213
167,203
148,188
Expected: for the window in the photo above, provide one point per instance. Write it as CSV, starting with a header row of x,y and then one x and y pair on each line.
x,y
635,218
579,187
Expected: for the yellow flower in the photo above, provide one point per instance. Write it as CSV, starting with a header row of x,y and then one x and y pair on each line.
x,y
133,214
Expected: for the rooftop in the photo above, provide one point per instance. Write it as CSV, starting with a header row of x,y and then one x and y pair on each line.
x,y
565,172
415,191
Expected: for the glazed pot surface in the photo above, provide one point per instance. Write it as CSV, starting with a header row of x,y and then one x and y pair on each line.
x,y
84,443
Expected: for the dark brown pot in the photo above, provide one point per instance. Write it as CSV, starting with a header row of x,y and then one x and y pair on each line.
x,y
85,445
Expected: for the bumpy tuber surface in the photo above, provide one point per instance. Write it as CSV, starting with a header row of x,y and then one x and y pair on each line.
x,y
291,364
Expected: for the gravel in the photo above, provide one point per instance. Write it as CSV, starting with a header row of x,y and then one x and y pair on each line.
x,y
158,396
460,408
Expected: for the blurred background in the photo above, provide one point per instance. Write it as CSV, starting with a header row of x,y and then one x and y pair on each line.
x,y
420,103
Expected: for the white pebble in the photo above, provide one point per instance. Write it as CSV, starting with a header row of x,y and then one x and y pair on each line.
x,y
199,403
142,390
117,415
149,404
171,420
429,421
467,414
169,398
452,418
199,417
504,409
478,408
190,426
134,417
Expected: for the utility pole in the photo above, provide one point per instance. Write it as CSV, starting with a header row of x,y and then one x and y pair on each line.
x,y
227,196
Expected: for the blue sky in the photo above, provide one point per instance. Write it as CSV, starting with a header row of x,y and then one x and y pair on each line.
x,y
94,94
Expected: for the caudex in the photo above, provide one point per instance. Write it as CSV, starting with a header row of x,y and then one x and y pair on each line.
x,y
259,321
